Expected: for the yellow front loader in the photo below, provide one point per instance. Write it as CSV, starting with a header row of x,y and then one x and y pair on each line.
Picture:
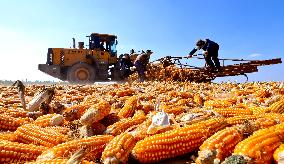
x,y
98,62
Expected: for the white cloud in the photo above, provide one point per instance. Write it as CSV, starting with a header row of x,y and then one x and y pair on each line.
x,y
254,55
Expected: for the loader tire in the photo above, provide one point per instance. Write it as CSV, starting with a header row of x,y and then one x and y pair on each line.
x,y
81,73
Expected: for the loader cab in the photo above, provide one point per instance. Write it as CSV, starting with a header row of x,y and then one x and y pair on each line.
x,y
103,42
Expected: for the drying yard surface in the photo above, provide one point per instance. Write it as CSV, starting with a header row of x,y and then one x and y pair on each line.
x,y
149,122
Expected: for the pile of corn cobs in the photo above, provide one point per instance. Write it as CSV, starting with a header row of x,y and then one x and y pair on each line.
x,y
143,122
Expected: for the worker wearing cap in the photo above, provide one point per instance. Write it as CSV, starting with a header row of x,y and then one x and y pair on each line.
x,y
125,65
140,65
210,52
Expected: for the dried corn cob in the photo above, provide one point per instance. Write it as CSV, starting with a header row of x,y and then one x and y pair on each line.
x,y
259,147
129,108
95,113
95,145
230,112
141,131
195,116
220,145
49,120
262,93
198,99
125,123
8,122
262,123
277,107
86,131
172,109
14,152
177,141
273,99
118,149
256,110
43,96
241,119
219,103
75,112
183,102
276,116
58,129
30,133
10,136
14,112
185,95
76,158
60,161
278,154
147,106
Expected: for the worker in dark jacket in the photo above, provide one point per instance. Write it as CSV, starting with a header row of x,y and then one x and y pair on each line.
x,y
125,65
210,51
140,64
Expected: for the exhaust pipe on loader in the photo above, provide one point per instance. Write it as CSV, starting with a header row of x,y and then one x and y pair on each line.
x,y
74,44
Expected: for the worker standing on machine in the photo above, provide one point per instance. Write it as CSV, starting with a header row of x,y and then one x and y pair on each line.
x,y
210,52
140,65
125,65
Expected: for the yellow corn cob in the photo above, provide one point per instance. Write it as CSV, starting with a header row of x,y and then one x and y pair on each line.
x,y
220,145
219,103
277,107
262,93
141,131
59,161
276,116
198,99
176,142
147,106
240,119
230,112
129,108
243,92
75,112
58,129
259,147
278,154
118,149
8,122
125,123
49,120
185,95
10,136
14,112
86,131
172,109
194,116
183,102
76,158
262,123
96,113
14,152
94,144
30,133
256,110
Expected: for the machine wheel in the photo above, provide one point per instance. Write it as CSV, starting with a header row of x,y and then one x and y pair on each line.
x,y
81,73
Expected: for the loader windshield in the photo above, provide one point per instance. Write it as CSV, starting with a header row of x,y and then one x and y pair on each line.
x,y
113,50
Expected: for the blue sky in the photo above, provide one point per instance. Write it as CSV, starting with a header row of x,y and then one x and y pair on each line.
x,y
249,29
